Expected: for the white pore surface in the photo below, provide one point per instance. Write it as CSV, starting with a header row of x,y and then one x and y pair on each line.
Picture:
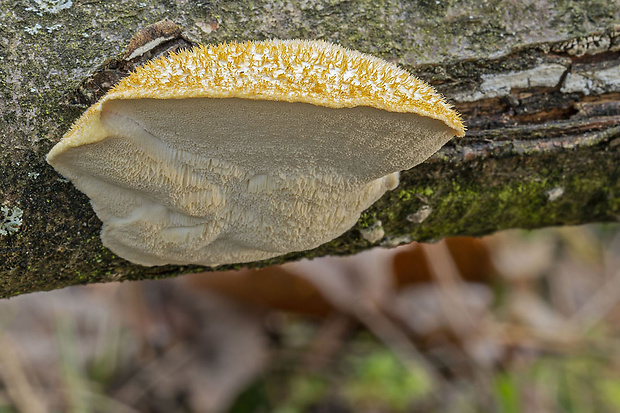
x,y
218,181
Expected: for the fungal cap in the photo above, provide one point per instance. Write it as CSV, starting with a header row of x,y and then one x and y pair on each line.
x,y
244,151
279,70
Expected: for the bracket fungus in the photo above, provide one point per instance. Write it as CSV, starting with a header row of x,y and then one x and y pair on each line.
x,y
240,152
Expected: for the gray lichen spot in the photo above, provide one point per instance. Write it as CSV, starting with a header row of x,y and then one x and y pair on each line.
x,y
494,86
420,215
53,27
554,193
10,220
34,29
373,233
396,241
49,6
592,44
593,81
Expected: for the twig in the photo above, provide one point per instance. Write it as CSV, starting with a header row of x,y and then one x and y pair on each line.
x,y
393,337
603,301
146,379
17,384
327,341
448,278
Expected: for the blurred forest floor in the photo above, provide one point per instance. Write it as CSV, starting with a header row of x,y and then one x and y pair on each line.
x,y
521,321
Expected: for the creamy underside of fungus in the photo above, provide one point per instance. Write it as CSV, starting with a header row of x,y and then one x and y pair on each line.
x,y
245,151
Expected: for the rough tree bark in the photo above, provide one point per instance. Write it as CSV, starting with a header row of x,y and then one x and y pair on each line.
x,y
538,83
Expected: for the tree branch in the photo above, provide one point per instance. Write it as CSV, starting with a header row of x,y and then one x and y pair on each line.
x,y
543,146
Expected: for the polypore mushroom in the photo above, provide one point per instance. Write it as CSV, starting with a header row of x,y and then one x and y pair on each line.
x,y
244,151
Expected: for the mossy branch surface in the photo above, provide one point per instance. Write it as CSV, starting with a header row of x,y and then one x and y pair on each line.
x,y
543,111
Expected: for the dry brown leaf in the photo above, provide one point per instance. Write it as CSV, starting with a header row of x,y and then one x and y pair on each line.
x,y
350,282
471,257
528,309
520,258
277,287
421,307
